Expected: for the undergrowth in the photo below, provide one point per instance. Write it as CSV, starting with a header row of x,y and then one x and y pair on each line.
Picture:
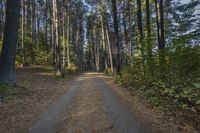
x,y
175,87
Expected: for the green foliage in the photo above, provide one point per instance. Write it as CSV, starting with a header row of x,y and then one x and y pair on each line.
x,y
108,71
43,58
132,75
179,87
184,61
72,68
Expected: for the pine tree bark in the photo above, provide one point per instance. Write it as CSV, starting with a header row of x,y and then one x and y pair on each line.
x,y
46,26
93,50
110,50
139,23
157,22
116,29
162,34
148,38
68,37
130,30
103,42
160,31
33,31
23,32
1,20
56,39
8,53
64,45
126,38
140,37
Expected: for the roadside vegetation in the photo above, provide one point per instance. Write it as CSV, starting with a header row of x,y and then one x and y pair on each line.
x,y
175,88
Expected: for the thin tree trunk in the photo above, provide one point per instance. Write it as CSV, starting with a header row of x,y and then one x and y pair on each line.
x,y
140,27
162,32
130,30
68,37
149,40
37,27
1,20
77,41
46,26
56,38
141,36
23,33
32,30
126,38
96,49
93,51
64,45
157,22
110,50
162,38
103,42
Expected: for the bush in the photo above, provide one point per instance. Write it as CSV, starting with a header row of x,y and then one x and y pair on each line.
x,y
72,68
108,71
180,86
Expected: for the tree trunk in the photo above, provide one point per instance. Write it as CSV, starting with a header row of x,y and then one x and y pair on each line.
x,y
64,45
93,51
141,36
148,39
116,29
103,42
162,35
68,37
8,53
33,32
126,38
130,31
140,27
157,22
160,31
46,26
110,50
23,33
1,20
37,26
56,38
162,39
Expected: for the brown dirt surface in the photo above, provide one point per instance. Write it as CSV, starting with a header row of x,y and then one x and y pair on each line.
x,y
19,111
81,103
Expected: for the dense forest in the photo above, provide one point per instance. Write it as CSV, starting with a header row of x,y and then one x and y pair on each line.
x,y
150,46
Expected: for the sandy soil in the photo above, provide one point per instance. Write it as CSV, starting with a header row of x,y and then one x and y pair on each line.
x,y
85,103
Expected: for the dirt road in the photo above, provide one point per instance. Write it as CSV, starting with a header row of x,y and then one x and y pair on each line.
x,y
88,106
80,103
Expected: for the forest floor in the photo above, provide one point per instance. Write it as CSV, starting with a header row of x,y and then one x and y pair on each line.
x,y
85,103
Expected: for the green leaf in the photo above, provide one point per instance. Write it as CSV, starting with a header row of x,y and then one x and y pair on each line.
x,y
198,102
196,85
